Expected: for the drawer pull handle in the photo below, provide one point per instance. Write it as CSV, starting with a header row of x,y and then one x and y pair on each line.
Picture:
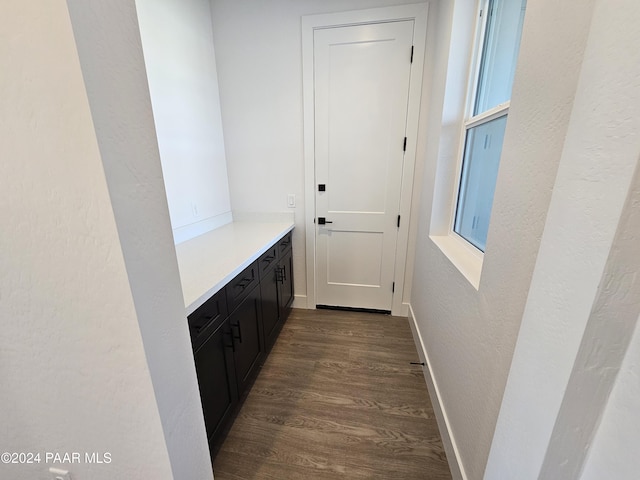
x,y
281,274
239,337
233,345
244,282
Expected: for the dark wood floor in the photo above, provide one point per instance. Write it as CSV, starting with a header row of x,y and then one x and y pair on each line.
x,y
336,399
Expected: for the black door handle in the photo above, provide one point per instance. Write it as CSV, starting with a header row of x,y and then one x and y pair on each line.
x,y
322,221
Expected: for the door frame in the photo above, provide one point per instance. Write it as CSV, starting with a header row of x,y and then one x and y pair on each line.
x,y
418,13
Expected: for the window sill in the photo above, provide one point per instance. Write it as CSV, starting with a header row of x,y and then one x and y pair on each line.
x,y
466,261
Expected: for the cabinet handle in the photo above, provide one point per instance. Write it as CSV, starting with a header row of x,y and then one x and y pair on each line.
x,y
244,282
281,274
233,345
239,337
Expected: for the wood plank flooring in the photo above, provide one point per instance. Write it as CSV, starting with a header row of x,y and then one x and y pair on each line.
x,y
336,399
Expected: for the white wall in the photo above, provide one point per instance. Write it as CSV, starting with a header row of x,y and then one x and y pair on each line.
x,y
181,69
259,58
470,334
72,363
110,52
584,298
614,452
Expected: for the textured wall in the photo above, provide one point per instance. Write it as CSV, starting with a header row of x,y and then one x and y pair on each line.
x,y
110,51
181,68
584,296
72,363
470,334
614,452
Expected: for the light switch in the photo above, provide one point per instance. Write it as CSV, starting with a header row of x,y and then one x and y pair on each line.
x,y
291,200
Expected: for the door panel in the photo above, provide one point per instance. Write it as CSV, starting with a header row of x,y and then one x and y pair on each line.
x,y
354,258
361,80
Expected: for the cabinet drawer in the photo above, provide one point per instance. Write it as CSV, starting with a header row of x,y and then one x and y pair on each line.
x,y
284,244
267,260
207,317
238,288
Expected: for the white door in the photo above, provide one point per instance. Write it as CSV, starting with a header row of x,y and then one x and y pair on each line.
x,y
361,83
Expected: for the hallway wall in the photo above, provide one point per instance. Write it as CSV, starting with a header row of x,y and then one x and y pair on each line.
x,y
470,335
72,363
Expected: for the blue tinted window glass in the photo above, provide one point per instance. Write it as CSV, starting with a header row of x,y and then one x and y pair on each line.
x,y
482,150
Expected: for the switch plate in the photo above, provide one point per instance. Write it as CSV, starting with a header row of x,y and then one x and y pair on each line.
x,y
291,200
58,474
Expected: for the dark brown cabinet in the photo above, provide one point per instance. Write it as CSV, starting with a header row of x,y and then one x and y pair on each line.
x,y
246,328
285,283
276,285
232,331
215,368
270,305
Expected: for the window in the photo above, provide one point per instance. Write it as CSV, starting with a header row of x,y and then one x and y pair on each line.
x,y
500,28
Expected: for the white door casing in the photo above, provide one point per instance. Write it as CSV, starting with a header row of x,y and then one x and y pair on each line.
x,y
312,25
361,79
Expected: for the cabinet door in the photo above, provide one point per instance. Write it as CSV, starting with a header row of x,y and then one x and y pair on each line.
x,y
285,284
217,380
246,325
270,309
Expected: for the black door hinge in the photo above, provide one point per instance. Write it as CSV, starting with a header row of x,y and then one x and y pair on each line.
x,y
411,54
404,145
398,221
393,287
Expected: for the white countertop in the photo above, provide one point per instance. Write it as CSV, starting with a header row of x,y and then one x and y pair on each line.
x,y
208,262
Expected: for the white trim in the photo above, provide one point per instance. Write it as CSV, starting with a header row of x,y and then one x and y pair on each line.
x,y
299,301
418,13
309,158
464,256
485,117
444,425
454,238
473,72
476,57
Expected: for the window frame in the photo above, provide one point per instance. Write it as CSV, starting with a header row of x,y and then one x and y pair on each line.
x,y
470,121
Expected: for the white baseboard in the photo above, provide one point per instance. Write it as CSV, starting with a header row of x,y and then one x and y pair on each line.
x,y
448,439
300,301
